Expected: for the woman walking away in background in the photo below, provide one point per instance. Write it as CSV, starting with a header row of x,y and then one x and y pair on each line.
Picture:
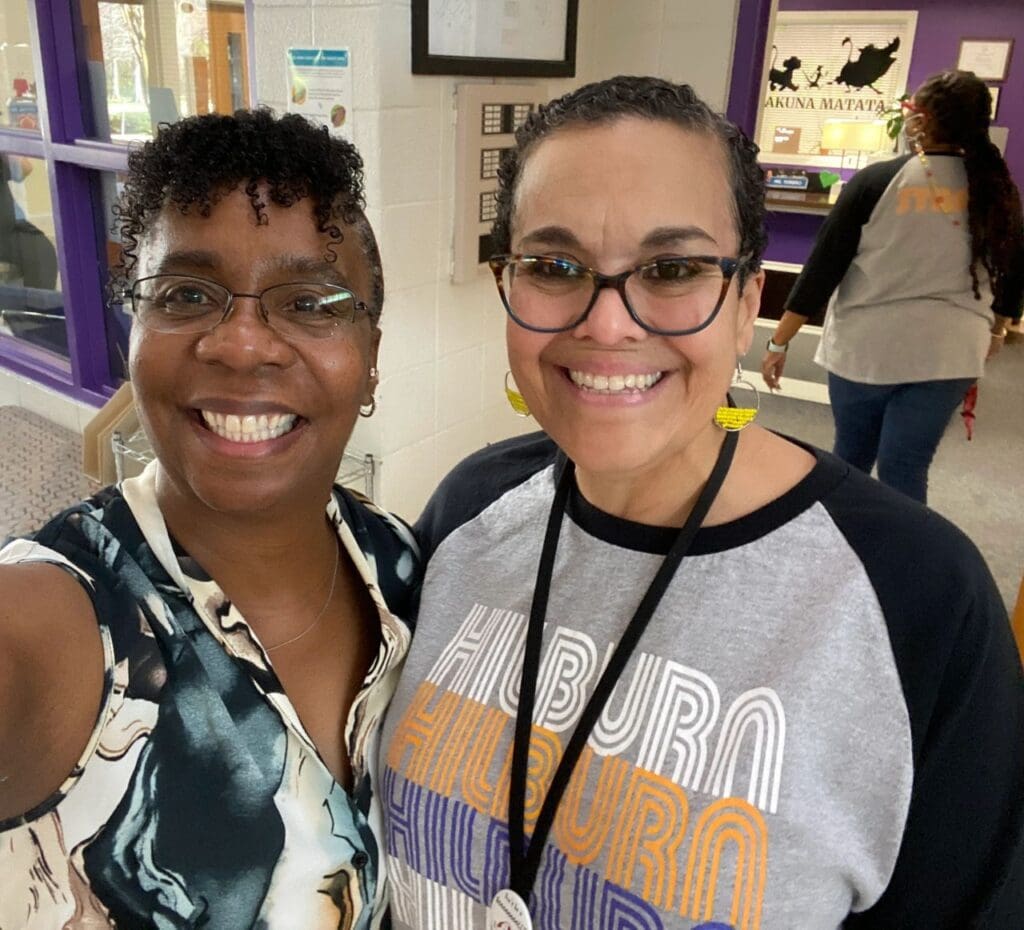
x,y
921,263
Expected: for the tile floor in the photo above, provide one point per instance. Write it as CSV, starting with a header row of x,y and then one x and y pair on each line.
x,y
40,470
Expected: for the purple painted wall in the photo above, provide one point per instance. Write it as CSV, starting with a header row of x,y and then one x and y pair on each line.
x,y
749,50
940,26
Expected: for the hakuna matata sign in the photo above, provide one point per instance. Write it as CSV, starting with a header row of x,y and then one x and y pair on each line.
x,y
841,64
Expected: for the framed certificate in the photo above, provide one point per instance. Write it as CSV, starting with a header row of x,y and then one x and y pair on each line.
x,y
989,59
504,38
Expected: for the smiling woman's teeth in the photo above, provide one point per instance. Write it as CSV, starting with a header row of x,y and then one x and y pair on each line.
x,y
248,428
614,384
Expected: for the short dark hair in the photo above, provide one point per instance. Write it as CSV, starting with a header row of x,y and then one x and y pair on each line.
x,y
648,98
194,162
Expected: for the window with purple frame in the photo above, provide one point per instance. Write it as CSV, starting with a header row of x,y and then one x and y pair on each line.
x,y
80,82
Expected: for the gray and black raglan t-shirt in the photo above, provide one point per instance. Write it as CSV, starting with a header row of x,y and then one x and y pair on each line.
x,y
821,726
891,263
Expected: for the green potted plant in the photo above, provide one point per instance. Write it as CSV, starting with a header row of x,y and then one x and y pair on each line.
x,y
894,115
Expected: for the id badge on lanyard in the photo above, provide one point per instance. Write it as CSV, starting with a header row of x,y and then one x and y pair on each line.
x,y
509,908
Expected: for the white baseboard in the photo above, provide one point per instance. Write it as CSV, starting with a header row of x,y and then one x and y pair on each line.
x,y
64,411
800,360
804,390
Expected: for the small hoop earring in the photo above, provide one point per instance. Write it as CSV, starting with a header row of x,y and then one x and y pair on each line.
x,y
374,373
372,410
515,400
732,418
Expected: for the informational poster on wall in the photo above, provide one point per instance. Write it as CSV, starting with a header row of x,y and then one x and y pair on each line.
x,y
320,87
828,65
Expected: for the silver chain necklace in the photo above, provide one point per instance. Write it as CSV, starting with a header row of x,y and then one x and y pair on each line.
x,y
320,614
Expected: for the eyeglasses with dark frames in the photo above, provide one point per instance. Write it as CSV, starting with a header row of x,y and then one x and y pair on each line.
x,y
185,304
674,296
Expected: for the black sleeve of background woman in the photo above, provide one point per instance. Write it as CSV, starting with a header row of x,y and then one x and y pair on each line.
x,y
839,237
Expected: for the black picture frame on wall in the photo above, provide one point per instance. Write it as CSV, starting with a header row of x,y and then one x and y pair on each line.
x,y
430,56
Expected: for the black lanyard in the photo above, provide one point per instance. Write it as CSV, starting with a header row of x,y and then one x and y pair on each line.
x,y
524,859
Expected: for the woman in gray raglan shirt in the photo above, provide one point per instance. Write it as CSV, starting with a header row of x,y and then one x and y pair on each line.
x,y
923,260
811,721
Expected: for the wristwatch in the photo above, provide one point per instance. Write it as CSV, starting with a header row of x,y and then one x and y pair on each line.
x,y
772,347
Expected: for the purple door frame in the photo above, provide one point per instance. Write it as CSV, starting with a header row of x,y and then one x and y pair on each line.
x,y
86,375
752,19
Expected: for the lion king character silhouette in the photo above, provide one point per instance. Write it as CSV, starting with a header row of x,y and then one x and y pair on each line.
x,y
816,80
871,64
782,79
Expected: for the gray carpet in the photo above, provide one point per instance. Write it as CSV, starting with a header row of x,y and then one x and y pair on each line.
x,y
975,484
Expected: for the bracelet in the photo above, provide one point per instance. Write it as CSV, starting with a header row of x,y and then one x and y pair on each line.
x,y
772,347
999,335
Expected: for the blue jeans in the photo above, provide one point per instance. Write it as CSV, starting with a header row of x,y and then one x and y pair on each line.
x,y
899,425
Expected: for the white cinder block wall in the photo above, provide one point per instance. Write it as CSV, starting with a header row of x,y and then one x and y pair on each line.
x,y
442,355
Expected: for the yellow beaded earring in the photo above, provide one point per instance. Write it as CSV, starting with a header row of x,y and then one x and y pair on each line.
x,y
732,418
515,400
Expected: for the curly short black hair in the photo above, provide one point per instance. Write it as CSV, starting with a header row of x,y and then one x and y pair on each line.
x,y
193,163
648,98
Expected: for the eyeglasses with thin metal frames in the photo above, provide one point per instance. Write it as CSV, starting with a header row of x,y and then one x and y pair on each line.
x,y
129,295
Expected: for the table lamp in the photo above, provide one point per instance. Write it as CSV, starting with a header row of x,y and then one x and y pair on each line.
x,y
853,135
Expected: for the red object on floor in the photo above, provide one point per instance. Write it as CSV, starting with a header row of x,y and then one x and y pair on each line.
x,y
967,411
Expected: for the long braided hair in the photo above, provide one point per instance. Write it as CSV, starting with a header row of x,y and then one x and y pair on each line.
x,y
959,104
